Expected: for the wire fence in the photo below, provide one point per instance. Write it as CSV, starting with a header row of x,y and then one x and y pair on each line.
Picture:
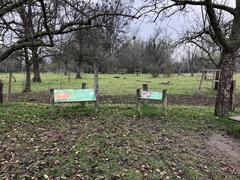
x,y
49,80
109,84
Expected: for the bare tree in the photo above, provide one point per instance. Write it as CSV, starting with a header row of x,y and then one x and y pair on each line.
x,y
228,41
159,51
31,24
60,17
190,57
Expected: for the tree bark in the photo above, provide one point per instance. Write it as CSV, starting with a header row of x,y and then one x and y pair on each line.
x,y
36,72
216,80
36,67
227,68
19,67
205,75
27,87
78,71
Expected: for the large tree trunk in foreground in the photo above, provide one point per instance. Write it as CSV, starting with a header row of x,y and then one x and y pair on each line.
x,y
227,68
78,71
27,87
36,67
36,71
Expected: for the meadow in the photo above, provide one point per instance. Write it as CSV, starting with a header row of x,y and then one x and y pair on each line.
x,y
115,84
117,142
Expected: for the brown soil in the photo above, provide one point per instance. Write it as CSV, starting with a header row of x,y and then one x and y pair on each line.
x,y
226,147
44,97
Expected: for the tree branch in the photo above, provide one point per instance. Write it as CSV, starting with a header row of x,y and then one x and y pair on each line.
x,y
205,3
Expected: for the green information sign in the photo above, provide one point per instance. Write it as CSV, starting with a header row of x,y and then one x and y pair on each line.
x,y
152,95
74,95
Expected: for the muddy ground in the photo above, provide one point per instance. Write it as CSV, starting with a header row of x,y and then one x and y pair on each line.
x,y
199,100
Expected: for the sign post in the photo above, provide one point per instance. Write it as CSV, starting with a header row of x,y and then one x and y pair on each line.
x,y
84,86
96,85
146,95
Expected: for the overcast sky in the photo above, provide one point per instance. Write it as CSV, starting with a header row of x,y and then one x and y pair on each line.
x,y
173,26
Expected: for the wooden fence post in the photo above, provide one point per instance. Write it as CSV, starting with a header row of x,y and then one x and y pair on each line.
x,y
145,87
96,85
201,80
84,86
9,87
1,91
52,101
138,100
69,77
165,101
232,95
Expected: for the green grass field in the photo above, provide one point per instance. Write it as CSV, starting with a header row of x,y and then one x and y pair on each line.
x,y
126,84
116,142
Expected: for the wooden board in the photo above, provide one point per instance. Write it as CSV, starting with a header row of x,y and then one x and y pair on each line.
x,y
151,95
74,95
235,118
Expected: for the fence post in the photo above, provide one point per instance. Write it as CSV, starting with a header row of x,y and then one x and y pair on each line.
x,y
1,91
69,77
96,85
165,101
9,87
84,86
201,80
52,101
138,100
145,87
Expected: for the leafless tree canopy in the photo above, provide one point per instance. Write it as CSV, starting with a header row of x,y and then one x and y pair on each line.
x,y
29,23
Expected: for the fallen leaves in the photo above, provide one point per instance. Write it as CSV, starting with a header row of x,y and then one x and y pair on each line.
x,y
110,145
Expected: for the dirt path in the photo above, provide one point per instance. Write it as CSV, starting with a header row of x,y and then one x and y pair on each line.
x,y
226,147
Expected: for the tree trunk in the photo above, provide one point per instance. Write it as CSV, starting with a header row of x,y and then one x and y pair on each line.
x,y
227,68
65,68
78,71
27,87
216,80
19,67
36,67
36,72
190,66
155,75
205,75
191,70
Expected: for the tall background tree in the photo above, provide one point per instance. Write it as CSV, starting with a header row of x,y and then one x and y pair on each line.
x,y
28,25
